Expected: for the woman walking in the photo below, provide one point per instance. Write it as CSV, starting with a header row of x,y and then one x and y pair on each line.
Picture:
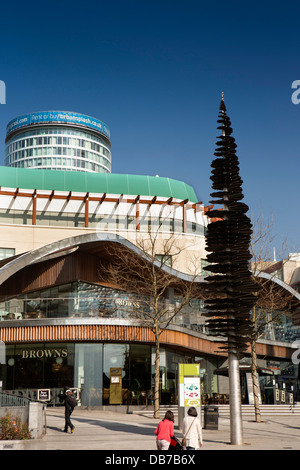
x,y
191,430
164,431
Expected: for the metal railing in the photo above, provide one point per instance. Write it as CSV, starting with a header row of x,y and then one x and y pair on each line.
x,y
7,399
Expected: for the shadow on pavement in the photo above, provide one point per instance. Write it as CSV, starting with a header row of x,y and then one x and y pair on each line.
x,y
109,425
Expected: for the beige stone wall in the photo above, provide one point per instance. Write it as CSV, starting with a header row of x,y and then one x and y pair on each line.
x,y
187,250
291,270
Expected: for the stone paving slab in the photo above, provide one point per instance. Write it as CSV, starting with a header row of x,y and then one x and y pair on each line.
x,y
109,431
116,431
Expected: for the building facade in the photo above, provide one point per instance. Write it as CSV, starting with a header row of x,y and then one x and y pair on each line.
x,y
58,140
63,322
54,227
287,270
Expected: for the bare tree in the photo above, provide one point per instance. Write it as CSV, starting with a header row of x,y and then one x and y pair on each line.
x,y
272,300
161,294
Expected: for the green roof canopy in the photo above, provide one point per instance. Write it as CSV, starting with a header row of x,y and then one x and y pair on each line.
x,y
109,183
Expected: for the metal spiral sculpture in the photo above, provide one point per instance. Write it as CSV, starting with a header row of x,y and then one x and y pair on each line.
x,y
230,290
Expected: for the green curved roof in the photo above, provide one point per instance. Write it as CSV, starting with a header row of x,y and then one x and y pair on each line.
x,y
110,183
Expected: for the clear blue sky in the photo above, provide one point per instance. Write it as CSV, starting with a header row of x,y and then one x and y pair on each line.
x,y
154,71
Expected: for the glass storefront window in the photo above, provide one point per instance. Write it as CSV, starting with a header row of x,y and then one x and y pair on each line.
x,y
88,373
80,299
169,394
210,380
83,299
41,365
140,369
115,355
87,366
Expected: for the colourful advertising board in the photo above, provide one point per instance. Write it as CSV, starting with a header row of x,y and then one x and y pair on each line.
x,y
189,385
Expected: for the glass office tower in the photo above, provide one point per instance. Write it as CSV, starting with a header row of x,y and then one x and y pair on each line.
x,y
58,140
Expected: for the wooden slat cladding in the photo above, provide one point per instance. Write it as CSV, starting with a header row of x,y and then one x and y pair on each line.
x,y
75,333
83,266
116,333
121,333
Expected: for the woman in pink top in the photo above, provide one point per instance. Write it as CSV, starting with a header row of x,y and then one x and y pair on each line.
x,y
164,431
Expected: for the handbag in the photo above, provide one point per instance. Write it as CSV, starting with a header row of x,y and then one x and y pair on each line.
x,y
183,440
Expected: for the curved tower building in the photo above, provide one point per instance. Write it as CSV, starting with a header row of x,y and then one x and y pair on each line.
x,y
58,140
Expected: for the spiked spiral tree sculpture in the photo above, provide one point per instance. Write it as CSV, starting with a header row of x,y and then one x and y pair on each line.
x,y
230,290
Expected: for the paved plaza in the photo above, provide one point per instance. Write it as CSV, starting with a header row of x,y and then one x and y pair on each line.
x,y
110,431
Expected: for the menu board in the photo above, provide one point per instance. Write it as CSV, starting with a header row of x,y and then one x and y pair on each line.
x,y
44,394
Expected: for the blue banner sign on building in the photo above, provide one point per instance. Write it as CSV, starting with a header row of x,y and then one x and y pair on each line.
x,y
59,117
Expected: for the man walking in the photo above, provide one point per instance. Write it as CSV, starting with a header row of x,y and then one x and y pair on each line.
x,y
70,403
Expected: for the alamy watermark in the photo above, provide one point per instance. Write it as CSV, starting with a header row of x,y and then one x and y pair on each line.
x,y
296,354
2,92
296,94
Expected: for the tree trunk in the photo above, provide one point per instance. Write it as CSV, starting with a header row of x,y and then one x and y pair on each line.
x,y
156,374
255,382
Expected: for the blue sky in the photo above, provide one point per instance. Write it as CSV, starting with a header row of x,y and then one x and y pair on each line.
x,y
154,72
